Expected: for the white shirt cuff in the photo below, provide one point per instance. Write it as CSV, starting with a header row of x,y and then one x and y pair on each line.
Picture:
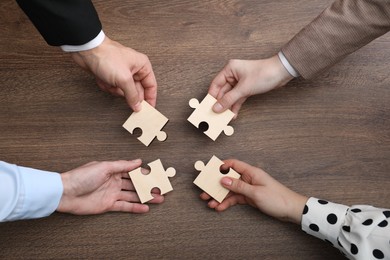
x,y
43,192
323,219
28,193
287,65
87,46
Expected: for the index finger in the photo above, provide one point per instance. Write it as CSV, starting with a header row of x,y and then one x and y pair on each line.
x,y
218,82
148,81
241,167
121,166
225,76
247,171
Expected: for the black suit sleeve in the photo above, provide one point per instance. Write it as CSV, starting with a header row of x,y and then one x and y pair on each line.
x,y
63,22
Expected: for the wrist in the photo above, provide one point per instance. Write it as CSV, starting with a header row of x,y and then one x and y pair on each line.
x,y
297,207
96,50
64,201
88,59
281,74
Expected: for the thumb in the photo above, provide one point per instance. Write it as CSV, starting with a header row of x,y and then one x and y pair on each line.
x,y
228,100
131,94
238,186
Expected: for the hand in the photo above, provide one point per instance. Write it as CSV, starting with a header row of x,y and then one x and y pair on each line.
x,y
261,191
240,79
120,71
99,187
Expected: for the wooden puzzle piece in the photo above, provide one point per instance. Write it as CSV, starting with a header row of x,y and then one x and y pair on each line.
x,y
210,177
156,178
217,122
150,121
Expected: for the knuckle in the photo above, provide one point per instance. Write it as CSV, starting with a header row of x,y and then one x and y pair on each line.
x,y
145,59
232,62
124,78
240,185
228,99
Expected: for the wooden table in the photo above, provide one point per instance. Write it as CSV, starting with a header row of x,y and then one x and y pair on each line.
x,y
327,137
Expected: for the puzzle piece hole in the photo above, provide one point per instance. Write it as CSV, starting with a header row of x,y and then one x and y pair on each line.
x,y
137,132
224,169
145,170
156,190
203,126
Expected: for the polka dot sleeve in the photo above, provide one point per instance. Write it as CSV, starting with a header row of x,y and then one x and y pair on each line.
x,y
359,232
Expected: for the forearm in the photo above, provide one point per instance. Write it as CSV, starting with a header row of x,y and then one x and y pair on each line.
x,y
63,22
341,29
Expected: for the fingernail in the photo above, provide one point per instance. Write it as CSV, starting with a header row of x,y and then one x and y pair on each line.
x,y
137,107
211,204
145,208
137,161
217,107
227,181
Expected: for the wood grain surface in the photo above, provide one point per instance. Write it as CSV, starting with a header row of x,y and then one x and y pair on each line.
x,y
328,137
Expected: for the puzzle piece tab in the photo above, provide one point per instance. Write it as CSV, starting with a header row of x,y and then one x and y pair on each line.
x,y
150,121
210,177
217,122
156,178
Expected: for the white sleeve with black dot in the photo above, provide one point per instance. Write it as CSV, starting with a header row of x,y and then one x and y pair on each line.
x,y
359,232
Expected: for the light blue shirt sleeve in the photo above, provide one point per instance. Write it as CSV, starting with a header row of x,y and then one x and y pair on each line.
x,y
27,193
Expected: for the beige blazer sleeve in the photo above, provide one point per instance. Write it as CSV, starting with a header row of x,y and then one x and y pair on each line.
x,y
339,30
